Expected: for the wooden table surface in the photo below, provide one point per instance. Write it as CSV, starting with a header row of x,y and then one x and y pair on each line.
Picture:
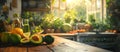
x,y
59,45
61,34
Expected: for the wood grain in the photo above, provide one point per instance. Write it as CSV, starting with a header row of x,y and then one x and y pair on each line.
x,y
38,49
59,45
65,45
10,49
1,49
21,49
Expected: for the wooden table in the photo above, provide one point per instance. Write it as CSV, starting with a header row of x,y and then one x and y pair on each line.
x,y
65,35
59,45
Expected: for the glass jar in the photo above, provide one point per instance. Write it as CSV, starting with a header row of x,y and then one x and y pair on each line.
x,y
26,27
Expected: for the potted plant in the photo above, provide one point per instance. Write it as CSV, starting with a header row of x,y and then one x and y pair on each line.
x,y
47,23
57,24
100,26
70,16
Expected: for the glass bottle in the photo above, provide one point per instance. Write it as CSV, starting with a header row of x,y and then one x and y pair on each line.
x,y
17,23
26,27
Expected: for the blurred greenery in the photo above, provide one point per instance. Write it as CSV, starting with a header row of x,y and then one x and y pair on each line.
x,y
37,29
47,21
26,15
99,25
113,13
69,16
58,22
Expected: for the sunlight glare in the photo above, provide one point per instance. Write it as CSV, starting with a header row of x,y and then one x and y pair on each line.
x,y
69,1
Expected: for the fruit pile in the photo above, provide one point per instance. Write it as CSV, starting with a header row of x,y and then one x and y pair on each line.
x,y
17,37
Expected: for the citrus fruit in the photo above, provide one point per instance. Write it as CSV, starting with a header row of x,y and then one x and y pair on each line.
x,y
17,31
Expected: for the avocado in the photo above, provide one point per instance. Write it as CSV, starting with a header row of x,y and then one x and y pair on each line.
x,y
36,39
48,39
5,37
15,38
25,40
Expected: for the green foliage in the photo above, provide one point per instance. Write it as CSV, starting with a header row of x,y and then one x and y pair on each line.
x,y
36,18
58,22
101,26
69,16
113,14
91,19
81,13
108,21
109,3
47,21
37,29
26,15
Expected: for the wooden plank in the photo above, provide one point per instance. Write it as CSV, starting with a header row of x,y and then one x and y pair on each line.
x,y
10,49
65,45
59,45
65,35
21,49
15,49
61,34
39,49
1,49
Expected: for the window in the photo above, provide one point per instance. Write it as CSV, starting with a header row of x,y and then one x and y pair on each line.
x,y
84,8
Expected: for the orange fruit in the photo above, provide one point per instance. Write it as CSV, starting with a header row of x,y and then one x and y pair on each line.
x,y
82,30
17,31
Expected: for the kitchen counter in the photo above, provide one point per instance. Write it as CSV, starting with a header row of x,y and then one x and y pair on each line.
x,y
61,34
59,45
65,35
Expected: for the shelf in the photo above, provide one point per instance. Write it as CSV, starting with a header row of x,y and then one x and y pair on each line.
x,y
36,5
37,9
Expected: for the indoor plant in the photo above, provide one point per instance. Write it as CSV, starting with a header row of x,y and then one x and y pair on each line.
x,y
57,24
69,16
47,23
